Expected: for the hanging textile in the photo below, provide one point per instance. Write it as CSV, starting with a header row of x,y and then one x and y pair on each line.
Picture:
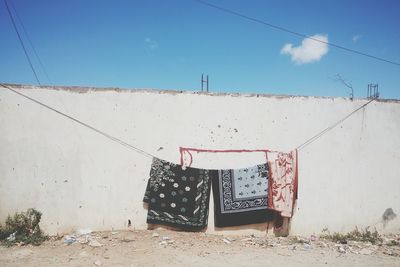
x,y
283,183
177,197
241,196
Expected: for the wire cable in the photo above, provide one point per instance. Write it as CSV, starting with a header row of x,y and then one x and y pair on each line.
x,y
115,139
293,32
318,135
30,42
21,42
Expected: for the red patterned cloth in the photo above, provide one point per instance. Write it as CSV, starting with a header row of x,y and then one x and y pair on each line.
x,y
283,183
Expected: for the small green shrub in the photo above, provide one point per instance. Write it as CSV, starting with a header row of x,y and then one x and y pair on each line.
x,y
24,227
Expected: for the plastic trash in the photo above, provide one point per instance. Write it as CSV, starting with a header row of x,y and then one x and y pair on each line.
x,y
95,243
12,237
69,239
84,231
226,241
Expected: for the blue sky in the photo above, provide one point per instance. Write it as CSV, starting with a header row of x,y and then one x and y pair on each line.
x,y
169,44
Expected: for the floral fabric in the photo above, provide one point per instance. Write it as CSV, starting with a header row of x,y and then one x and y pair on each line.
x,y
283,183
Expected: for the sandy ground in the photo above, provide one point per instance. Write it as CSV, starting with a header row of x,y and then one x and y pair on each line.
x,y
171,248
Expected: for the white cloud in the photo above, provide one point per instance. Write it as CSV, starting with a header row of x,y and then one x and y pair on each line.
x,y
355,38
151,44
309,50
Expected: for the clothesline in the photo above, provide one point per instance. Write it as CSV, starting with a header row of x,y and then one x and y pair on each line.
x,y
182,151
115,139
147,154
318,135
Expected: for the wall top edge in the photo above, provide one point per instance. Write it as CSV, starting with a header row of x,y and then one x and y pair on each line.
x,y
87,89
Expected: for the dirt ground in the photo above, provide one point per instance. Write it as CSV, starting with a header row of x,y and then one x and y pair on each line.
x,y
171,248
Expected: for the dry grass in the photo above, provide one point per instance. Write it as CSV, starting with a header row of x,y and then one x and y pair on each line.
x,y
363,235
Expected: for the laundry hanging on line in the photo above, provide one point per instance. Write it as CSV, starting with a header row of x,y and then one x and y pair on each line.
x,y
283,175
283,183
178,197
241,196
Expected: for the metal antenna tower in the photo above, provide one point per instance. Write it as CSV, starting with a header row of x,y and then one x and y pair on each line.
x,y
372,91
204,83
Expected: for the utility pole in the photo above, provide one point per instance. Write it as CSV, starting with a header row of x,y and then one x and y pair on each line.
x,y
204,83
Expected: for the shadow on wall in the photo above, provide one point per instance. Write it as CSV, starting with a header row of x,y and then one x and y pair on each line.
x,y
388,216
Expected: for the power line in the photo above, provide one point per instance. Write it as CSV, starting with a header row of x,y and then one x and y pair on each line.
x,y
315,137
30,42
21,42
293,32
115,139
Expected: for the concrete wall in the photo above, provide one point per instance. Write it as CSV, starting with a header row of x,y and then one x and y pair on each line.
x,y
80,179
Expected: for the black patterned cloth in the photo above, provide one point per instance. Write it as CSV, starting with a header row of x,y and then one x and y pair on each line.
x,y
241,196
177,197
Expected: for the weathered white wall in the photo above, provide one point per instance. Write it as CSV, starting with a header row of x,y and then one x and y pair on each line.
x,y
80,179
